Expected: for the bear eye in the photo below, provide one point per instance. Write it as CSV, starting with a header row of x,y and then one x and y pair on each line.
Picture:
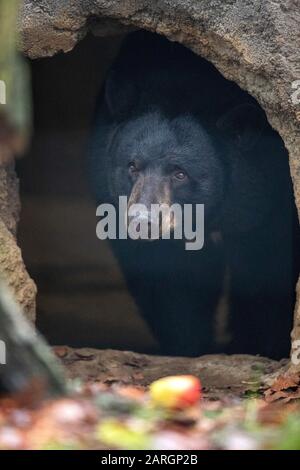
x,y
180,175
132,167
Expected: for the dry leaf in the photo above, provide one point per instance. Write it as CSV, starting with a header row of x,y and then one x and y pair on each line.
x,y
286,388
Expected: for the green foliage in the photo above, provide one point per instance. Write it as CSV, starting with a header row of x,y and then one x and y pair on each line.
x,y
13,70
120,435
290,434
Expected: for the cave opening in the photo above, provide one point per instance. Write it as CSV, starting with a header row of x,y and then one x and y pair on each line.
x,y
78,281
82,297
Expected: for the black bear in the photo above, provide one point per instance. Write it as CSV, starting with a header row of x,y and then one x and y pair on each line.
x,y
170,129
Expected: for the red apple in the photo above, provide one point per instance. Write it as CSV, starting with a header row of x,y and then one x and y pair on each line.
x,y
176,392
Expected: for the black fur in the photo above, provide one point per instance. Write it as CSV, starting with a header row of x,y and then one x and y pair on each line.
x,y
165,106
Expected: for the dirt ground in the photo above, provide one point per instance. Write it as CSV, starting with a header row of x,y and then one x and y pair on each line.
x,y
120,400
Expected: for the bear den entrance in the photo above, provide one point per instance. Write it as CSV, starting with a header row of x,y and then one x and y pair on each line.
x,y
82,298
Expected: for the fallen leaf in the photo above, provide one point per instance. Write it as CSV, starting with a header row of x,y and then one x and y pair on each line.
x,y
85,356
286,388
60,351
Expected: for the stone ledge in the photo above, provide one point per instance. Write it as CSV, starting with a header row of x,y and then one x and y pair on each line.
x,y
221,375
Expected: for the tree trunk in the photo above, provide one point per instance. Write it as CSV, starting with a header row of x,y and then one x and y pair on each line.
x,y
14,131
26,362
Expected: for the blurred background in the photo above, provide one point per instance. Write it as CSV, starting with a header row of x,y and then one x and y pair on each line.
x,y
82,299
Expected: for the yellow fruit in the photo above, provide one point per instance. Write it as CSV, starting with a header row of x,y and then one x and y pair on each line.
x,y
176,392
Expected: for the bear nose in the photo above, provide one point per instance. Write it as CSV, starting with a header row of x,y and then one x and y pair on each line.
x,y
143,218
143,215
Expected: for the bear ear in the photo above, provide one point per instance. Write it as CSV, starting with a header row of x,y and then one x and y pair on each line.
x,y
243,125
120,95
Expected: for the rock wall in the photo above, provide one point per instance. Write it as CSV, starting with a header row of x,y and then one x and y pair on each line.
x,y
254,43
12,267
